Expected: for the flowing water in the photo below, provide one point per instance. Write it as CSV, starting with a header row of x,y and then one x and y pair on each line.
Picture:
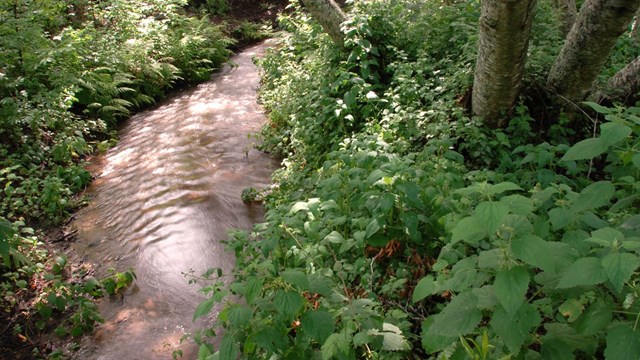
x,y
165,197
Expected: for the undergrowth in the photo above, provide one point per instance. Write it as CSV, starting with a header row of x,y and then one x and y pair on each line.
x,y
401,227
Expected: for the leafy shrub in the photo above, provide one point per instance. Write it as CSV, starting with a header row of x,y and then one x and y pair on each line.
x,y
402,227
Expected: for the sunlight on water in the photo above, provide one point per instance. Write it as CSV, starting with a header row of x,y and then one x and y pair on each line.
x,y
168,193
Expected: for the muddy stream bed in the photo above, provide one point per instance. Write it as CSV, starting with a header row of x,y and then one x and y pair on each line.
x,y
163,201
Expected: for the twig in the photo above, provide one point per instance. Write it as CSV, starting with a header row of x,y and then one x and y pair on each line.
x,y
65,236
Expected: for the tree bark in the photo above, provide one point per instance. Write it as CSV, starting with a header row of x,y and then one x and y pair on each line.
x,y
625,82
588,45
504,39
329,15
567,12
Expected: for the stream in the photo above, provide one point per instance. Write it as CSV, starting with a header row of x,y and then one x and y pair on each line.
x,y
164,199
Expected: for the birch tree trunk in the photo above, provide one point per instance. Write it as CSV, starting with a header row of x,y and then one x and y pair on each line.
x,y
504,38
588,45
329,15
567,12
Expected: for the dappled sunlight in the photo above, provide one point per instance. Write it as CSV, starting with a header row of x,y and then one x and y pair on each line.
x,y
167,194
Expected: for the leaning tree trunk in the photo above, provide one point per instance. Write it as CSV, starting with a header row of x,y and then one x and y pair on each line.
x,y
626,81
567,12
504,38
588,45
329,15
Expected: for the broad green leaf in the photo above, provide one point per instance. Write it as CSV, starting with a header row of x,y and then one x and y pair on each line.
x,y
619,267
253,288
623,343
229,349
491,259
467,230
571,309
514,330
491,215
518,204
585,149
296,277
372,228
204,308
411,222
556,350
596,318
320,284
584,272
597,107
546,255
299,206
560,217
606,237
635,160
334,237
510,286
392,338
425,287
317,324
459,317
433,342
612,133
239,315
288,303
502,187
594,196
336,346
204,351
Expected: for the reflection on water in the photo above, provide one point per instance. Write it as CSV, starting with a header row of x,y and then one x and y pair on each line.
x,y
167,194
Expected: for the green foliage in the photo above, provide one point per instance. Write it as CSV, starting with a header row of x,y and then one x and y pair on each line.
x,y
403,227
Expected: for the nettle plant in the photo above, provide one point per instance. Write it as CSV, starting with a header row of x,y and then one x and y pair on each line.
x,y
546,273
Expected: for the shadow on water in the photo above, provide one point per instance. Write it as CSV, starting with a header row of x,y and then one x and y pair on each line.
x,y
167,195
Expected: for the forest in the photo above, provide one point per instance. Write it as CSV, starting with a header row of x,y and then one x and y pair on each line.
x,y
460,179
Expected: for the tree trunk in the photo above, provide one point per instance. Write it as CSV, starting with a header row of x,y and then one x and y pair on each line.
x,y
329,15
588,45
624,83
504,38
567,12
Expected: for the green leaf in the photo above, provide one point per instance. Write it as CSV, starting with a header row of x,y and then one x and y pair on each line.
x,y
597,107
425,287
594,196
288,303
571,309
514,330
372,228
334,237
317,325
623,343
584,272
336,346
229,349
510,286
459,317
502,187
411,222
392,338
595,319
560,217
556,350
585,149
296,277
320,284
619,268
433,342
491,215
203,309
612,133
546,255
518,204
467,230
253,288
239,315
